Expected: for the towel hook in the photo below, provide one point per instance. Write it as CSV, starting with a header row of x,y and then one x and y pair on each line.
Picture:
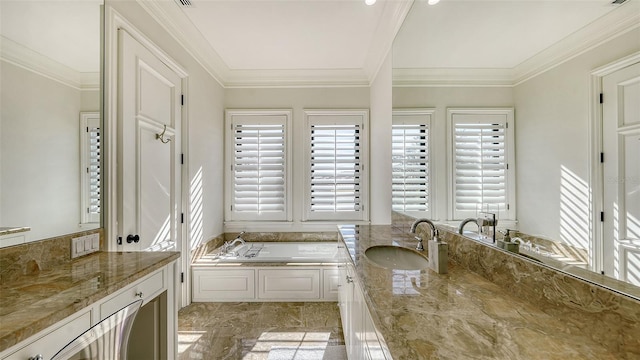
x,y
161,136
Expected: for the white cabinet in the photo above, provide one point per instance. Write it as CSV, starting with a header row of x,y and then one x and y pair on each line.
x,y
223,284
48,341
360,335
269,283
52,339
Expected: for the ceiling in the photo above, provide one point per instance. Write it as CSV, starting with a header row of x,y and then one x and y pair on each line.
x,y
328,42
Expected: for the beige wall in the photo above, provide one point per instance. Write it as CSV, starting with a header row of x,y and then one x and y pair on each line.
x,y
553,141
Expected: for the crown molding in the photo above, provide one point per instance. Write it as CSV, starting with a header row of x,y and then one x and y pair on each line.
x,y
617,22
391,21
21,56
169,15
297,78
452,77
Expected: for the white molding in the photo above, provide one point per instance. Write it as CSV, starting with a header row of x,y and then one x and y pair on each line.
x,y
452,77
391,20
297,78
21,56
169,15
616,23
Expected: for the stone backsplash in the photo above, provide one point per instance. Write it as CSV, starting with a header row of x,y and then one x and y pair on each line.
x,y
29,258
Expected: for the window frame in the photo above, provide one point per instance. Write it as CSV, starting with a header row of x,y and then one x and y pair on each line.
x,y
338,117
89,119
507,115
410,117
256,117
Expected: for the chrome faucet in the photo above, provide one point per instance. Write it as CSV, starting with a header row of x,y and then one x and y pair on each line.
x,y
482,223
228,245
414,227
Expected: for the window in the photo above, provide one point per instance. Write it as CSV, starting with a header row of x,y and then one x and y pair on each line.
x,y
411,174
90,151
482,163
257,154
336,177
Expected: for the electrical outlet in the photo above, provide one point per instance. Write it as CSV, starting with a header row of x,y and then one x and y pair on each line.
x,y
84,245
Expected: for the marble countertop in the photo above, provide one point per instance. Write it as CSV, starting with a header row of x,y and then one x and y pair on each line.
x,y
31,303
7,230
459,315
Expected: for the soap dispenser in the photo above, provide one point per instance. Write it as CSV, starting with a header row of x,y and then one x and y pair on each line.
x,y
507,244
438,254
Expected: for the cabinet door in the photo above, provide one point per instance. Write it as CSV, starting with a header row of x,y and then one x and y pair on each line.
x,y
285,284
223,284
330,283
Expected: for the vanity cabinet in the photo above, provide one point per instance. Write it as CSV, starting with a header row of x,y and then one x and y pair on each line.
x,y
360,335
153,332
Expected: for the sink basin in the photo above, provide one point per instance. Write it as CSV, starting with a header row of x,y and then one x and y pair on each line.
x,y
395,257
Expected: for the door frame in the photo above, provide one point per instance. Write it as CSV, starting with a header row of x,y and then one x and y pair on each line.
x,y
596,171
114,22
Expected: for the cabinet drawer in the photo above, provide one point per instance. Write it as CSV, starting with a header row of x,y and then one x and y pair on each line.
x,y
48,342
147,288
285,284
223,284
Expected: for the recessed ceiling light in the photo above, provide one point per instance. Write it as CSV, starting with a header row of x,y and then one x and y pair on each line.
x,y
433,2
369,2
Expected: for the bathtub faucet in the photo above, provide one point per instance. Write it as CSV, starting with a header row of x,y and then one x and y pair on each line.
x,y
228,245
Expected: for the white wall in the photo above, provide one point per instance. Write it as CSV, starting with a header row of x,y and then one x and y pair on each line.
x,y
204,146
297,99
552,140
442,98
40,151
380,145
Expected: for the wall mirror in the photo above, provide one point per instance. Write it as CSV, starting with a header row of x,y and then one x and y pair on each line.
x,y
501,54
51,114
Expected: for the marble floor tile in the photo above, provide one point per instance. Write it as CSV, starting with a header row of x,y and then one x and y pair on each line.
x,y
260,331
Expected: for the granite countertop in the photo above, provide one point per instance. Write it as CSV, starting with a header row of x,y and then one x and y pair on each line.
x,y
459,315
31,303
7,230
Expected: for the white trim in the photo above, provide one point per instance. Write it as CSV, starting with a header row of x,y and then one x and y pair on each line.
x,y
267,226
596,171
87,118
21,56
446,77
508,112
430,113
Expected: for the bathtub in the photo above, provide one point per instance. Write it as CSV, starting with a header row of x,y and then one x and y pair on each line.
x,y
298,252
268,271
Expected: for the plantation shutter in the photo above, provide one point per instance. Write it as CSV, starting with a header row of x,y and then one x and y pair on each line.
x,y
480,181
91,151
336,167
259,171
410,168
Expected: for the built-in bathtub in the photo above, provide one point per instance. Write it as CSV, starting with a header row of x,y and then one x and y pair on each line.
x,y
268,271
278,252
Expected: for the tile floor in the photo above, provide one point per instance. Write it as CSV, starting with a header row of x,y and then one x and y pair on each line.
x,y
260,331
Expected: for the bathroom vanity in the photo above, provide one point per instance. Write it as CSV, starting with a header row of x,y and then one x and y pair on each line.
x,y
42,312
419,314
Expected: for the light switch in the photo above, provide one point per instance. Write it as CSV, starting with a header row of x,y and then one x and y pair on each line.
x,y
79,246
95,243
87,243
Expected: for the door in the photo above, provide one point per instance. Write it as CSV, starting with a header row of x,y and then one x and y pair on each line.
x,y
621,168
149,121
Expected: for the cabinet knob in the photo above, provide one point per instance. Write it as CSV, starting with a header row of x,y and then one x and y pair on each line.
x,y
37,357
139,294
133,238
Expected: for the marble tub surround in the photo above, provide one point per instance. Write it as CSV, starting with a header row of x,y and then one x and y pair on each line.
x,y
31,303
32,257
206,248
259,331
284,236
491,305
